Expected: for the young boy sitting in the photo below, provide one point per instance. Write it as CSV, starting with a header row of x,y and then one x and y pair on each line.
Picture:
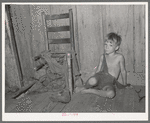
x,y
103,82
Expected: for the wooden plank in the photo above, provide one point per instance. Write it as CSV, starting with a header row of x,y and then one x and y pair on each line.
x,y
39,41
59,107
80,103
71,29
59,41
12,74
39,100
100,105
139,36
58,29
139,106
9,26
23,89
44,30
57,16
39,36
24,104
74,101
118,102
39,107
129,100
69,72
50,106
75,21
89,102
75,66
23,33
10,105
90,36
109,105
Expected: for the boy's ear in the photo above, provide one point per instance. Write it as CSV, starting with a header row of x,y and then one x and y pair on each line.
x,y
117,48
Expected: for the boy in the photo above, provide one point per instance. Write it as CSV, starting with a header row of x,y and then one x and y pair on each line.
x,y
103,82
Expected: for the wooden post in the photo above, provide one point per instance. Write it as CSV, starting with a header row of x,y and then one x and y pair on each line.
x,y
45,34
13,40
71,30
69,61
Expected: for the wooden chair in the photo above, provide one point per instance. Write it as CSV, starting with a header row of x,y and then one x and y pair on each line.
x,y
70,40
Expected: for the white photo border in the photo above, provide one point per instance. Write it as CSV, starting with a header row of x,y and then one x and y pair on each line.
x,y
81,116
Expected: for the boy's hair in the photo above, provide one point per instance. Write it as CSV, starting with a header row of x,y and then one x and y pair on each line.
x,y
112,36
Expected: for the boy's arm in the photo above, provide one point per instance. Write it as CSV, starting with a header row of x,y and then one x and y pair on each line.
x,y
123,70
100,64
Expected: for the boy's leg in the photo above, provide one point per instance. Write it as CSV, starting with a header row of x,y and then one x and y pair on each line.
x,y
107,91
90,83
110,90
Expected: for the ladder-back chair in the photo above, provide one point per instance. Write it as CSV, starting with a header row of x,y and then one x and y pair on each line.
x,y
70,40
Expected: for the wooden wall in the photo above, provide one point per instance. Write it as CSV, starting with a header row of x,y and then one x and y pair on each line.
x,y
91,24
129,22
11,72
23,34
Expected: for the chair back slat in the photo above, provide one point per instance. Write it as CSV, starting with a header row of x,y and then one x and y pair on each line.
x,y
54,17
58,29
59,41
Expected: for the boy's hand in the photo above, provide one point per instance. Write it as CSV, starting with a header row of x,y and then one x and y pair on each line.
x,y
94,71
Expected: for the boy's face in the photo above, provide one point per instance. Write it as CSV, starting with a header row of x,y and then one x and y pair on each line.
x,y
110,46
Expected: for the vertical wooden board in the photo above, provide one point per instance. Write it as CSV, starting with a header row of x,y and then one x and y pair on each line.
x,y
139,28
27,22
22,31
104,21
11,72
76,36
38,42
17,30
90,35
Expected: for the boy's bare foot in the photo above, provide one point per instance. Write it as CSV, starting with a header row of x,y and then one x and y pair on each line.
x,y
85,91
79,89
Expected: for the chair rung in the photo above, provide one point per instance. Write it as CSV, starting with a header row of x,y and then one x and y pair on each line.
x,y
60,16
60,41
58,29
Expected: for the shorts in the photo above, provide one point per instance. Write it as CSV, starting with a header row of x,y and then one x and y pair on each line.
x,y
103,79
